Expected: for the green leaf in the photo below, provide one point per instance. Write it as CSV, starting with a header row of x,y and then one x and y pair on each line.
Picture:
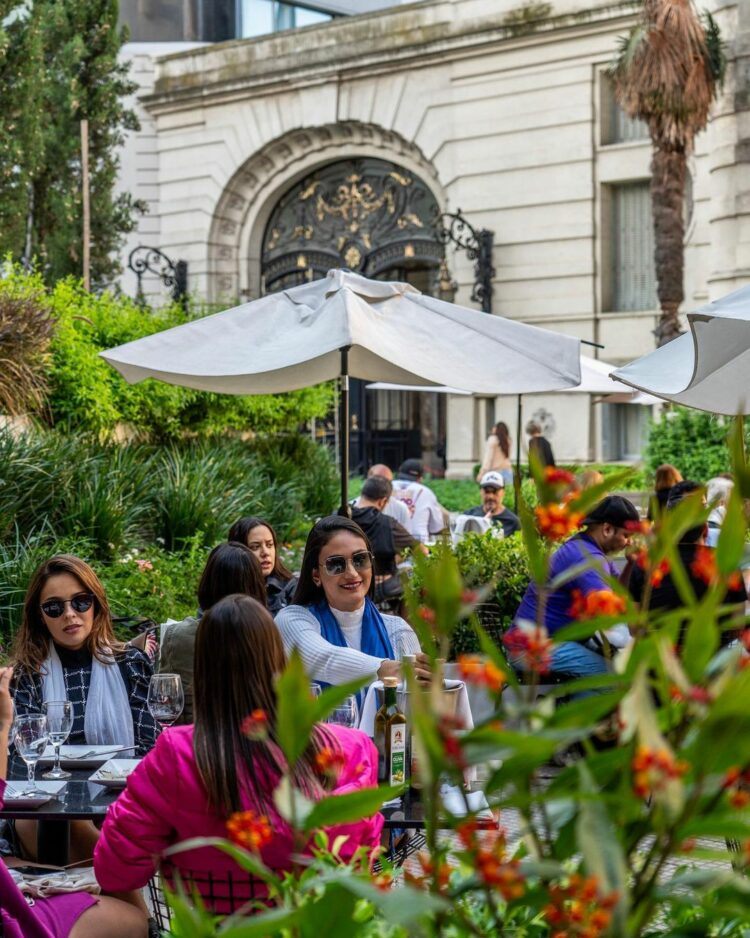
x,y
342,809
403,906
701,639
291,804
261,924
600,846
731,543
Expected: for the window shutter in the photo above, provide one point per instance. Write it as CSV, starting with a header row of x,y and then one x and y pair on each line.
x,y
633,240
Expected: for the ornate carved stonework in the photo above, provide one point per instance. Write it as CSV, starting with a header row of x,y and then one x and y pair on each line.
x,y
348,213
248,189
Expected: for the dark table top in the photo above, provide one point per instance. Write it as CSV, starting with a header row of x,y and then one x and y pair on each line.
x,y
77,800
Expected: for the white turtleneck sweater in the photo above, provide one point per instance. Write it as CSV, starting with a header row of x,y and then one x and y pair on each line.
x,y
329,663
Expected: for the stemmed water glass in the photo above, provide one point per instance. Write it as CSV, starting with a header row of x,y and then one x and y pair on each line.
x,y
346,714
31,739
165,698
59,715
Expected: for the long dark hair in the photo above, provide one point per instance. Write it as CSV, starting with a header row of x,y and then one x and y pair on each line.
x,y
308,591
502,433
240,531
231,568
31,645
238,655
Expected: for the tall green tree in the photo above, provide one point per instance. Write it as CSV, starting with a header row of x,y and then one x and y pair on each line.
x,y
667,73
76,74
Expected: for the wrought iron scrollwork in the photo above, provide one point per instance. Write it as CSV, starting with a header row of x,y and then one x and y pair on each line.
x,y
143,260
453,228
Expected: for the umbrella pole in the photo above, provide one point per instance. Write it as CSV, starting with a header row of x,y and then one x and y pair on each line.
x,y
517,474
344,431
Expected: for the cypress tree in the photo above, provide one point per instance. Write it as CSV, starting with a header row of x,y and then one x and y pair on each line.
x,y
77,76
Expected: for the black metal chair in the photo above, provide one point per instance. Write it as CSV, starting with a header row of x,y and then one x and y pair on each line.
x,y
221,895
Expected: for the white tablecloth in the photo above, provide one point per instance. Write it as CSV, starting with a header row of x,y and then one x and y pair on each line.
x,y
370,707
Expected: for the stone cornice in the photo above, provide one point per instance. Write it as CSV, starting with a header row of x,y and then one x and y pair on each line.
x,y
366,45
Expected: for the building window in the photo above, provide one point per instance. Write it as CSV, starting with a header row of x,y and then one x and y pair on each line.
x,y
624,431
633,277
616,126
260,17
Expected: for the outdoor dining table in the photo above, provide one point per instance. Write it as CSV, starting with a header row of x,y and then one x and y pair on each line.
x,y
78,799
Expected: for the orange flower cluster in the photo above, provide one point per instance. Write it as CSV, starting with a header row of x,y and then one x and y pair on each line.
x,y
737,784
653,769
705,568
440,873
426,614
658,573
329,762
492,862
383,881
556,521
249,830
596,603
473,670
533,650
255,726
578,910
555,476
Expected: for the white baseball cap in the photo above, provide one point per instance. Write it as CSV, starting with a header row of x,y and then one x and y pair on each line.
x,y
492,480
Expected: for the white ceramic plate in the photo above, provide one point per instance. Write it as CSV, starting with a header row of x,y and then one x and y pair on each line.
x,y
70,756
13,791
114,774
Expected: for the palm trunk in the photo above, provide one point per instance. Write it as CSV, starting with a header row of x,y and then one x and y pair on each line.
x,y
668,169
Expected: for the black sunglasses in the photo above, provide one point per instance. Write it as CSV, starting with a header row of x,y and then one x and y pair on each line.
x,y
336,565
81,602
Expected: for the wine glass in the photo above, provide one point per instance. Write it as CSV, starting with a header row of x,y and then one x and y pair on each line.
x,y
346,714
31,739
165,698
315,689
59,715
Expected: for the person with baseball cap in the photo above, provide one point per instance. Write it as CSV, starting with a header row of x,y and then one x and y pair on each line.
x,y
426,516
492,487
605,533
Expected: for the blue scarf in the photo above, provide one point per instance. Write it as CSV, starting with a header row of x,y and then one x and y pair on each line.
x,y
375,640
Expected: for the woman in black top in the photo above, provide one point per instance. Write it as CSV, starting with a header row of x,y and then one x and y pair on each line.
x,y
261,538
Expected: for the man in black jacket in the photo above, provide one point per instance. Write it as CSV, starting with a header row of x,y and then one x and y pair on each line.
x,y
387,537
492,486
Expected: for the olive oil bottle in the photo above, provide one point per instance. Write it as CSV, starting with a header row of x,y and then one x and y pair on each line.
x,y
390,737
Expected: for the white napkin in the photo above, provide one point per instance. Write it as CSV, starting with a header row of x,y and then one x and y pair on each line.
x,y
57,884
453,801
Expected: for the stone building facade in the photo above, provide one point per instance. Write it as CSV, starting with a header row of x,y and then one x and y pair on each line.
x,y
501,110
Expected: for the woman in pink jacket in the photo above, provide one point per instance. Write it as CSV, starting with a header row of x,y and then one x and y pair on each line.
x,y
197,776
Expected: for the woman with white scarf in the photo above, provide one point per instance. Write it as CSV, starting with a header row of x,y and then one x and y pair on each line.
x,y
66,649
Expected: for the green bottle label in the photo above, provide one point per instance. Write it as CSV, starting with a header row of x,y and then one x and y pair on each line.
x,y
398,754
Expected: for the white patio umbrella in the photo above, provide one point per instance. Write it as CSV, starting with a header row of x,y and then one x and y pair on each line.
x,y
347,325
707,368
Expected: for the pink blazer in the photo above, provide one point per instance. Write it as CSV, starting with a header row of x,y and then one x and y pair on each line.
x,y
165,803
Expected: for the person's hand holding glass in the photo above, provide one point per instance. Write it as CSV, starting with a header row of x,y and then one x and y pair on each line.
x,y
165,698
59,715
31,739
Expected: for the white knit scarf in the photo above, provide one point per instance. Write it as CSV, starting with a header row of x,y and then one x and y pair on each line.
x,y
108,720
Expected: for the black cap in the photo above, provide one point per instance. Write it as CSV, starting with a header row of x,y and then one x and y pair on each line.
x,y
411,468
614,509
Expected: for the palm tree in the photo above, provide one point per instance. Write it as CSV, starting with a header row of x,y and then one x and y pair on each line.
x,y
667,73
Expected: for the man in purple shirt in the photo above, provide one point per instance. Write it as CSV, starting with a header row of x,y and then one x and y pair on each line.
x,y
605,533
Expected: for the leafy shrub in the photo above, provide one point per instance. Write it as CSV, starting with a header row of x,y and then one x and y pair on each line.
x,y
694,441
483,559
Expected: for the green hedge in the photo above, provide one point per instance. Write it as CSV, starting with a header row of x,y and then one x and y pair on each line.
x,y
693,441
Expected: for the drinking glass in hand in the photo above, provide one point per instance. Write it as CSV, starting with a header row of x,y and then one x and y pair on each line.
x,y
345,714
59,715
31,739
165,698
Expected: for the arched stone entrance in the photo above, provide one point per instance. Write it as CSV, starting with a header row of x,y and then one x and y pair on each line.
x,y
344,195
249,198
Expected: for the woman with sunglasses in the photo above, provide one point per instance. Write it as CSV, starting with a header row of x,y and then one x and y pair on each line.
x,y
333,622
76,915
66,649
261,538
